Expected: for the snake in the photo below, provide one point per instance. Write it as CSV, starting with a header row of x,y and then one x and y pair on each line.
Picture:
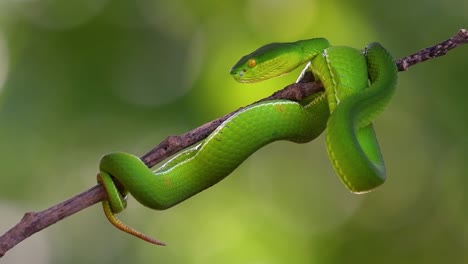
x,y
358,85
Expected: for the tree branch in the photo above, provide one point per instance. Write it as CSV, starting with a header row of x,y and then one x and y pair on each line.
x,y
460,38
33,222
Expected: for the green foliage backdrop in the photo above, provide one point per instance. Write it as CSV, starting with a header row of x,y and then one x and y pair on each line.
x,y
80,78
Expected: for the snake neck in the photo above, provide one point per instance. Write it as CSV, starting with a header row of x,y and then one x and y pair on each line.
x,y
342,71
312,47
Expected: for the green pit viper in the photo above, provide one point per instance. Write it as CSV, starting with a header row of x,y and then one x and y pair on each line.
x,y
357,87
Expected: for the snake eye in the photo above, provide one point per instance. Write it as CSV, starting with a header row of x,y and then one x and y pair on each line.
x,y
252,63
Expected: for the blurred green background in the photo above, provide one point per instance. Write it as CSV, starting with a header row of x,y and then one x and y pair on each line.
x,y
81,78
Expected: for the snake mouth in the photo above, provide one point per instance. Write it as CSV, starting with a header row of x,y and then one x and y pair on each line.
x,y
237,73
239,76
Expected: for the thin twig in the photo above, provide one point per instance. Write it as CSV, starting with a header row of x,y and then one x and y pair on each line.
x,y
33,222
435,51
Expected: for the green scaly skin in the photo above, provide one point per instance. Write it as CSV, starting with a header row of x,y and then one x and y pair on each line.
x,y
353,149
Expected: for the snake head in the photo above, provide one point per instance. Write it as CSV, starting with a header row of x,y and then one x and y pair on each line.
x,y
276,59
271,60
